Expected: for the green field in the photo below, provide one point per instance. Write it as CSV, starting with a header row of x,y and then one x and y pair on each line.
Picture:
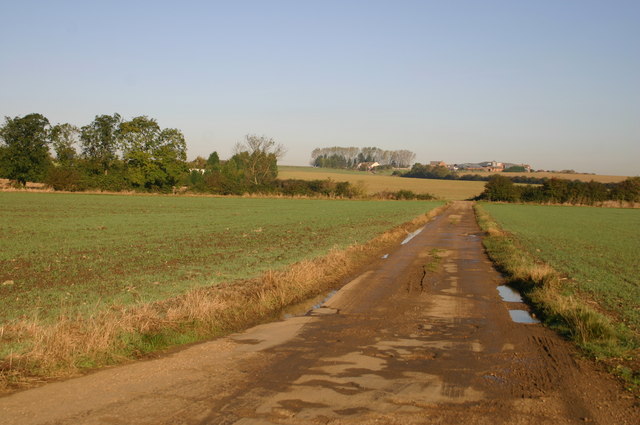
x,y
82,252
596,247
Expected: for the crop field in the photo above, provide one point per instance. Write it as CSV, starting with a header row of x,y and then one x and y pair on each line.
x,y
596,247
373,183
69,253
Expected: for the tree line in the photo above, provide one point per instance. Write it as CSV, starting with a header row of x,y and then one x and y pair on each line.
x,y
252,168
561,191
438,172
350,157
115,154
109,153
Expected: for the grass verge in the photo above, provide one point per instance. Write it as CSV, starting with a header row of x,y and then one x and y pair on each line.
x,y
73,344
598,334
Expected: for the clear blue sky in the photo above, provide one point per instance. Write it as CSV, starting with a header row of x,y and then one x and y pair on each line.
x,y
552,83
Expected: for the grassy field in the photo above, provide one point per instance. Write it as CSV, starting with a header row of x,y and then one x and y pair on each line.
x,y
373,183
596,247
81,252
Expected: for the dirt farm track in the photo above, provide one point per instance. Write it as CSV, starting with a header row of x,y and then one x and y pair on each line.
x,y
421,337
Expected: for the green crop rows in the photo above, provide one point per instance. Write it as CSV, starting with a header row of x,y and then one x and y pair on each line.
x,y
81,252
599,248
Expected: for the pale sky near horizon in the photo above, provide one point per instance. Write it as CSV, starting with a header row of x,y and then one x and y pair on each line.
x,y
555,84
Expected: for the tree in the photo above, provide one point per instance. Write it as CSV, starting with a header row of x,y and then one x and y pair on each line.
x,y
257,158
100,141
4,161
337,157
404,158
199,163
515,169
500,188
171,154
213,162
627,190
155,158
26,152
64,137
556,190
253,143
333,161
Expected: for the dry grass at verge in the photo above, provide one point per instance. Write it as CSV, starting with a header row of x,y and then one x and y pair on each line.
x,y
595,332
74,344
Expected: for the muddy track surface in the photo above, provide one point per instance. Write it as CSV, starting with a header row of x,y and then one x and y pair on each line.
x,y
422,337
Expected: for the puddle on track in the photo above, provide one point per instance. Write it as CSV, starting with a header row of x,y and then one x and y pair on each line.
x,y
305,307
522,316
411,236
509,294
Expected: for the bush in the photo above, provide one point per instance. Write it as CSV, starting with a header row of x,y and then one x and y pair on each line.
x,y
404,195
112,182
65,178
500,188
294,187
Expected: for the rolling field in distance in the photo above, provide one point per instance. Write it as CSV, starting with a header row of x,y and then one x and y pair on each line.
x,y
596,247
565,176
83,252
373,183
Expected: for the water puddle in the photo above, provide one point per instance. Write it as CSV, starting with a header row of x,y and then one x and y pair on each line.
x,y
522,316
495,379
306,306
509,294
385,256
411,236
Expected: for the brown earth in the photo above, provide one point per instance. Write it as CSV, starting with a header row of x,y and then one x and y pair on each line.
x,y
422,337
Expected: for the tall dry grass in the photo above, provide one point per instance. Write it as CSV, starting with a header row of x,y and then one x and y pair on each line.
x,y
73,344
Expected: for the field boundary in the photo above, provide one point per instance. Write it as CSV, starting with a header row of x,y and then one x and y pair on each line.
x,y
400,195
598,334
601,204
74,345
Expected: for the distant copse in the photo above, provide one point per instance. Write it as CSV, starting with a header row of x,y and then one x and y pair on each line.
x,y
350,157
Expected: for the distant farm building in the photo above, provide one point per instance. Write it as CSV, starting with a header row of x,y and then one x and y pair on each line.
x,y
492,166
367,166
488,166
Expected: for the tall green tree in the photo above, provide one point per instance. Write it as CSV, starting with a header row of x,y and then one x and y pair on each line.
x,y
64,138
213,162
155,158
25,156
100,141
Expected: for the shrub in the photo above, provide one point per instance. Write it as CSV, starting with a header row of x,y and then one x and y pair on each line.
x,y
65,178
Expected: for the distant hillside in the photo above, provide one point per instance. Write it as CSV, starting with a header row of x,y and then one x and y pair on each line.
x,y
373,183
